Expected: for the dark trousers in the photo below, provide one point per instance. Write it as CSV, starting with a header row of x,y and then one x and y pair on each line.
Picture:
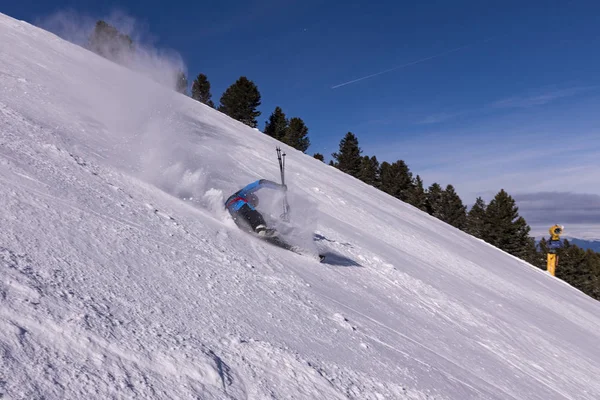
x,y
247,218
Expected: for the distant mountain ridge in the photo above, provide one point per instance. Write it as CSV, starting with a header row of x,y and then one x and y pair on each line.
x,y
586,244
582,243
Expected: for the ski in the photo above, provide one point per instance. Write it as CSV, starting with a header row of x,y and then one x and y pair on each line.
x,y
277,241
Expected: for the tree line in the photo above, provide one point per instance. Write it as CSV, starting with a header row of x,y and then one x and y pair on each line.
x,y
498,223
241,100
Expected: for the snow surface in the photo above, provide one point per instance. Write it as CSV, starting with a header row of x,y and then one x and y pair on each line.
x,y
122,277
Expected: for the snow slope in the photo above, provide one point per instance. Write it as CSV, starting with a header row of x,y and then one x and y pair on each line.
x,y
121,276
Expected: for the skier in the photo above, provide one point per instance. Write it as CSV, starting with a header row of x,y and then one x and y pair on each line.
x,y
242,207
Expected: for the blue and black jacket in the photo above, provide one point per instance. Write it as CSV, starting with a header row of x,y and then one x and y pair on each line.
x,y
239,198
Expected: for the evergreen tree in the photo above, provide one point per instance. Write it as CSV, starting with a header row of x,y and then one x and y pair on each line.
x,y
530,252
396,179
434,200
201,90
384,172
417,196
575,267
240,101
348,158
542,251
369,170
476,219
543,248
295,135
579,268
592,268
319,156
453,211
277,124
181,83
504,228
108,42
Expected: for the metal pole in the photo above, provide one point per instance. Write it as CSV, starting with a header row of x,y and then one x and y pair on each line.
x,y
281,159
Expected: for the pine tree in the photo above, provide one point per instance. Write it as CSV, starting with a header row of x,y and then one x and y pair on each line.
x,y
573,267
542,251
296,135
476,219
434,200
108,42
369,170
277,124
530,252
417,196
201,90
396,179
240,101
543,247
592,267
348,158
384,171
181,83
504,228
453,211
319,156
579,268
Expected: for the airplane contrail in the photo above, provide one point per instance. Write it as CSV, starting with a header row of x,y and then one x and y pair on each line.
x,y
411,63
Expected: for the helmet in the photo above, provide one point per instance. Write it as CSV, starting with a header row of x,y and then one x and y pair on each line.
x,y
252,199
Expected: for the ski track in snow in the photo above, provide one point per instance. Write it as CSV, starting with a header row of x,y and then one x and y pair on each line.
x,y
122,277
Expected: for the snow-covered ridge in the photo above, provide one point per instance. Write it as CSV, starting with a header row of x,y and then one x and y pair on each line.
x,y
122,277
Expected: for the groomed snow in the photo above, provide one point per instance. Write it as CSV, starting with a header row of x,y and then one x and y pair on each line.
x,y
122,277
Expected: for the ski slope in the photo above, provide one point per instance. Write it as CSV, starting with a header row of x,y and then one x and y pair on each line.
x,y
122,277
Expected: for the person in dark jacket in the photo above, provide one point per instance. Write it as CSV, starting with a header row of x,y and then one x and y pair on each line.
x,y
242,207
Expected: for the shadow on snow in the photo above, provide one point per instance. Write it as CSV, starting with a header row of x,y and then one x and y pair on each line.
x,y
339,260
331,258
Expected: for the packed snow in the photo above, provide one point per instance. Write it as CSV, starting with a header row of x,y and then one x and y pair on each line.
x,y
121,276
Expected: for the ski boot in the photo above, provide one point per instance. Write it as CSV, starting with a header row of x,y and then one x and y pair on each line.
x,y
264,232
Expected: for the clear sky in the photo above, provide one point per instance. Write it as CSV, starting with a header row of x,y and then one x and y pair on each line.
x,y
482,95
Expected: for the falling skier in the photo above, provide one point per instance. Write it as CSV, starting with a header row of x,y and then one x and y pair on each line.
x,y
242,207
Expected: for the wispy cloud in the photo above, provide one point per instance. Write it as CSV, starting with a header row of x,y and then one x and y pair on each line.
x,y
541,98
454,50
488,161
579,212
524,101
560,207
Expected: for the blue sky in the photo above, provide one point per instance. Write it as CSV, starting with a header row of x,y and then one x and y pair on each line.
x,y
478,94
